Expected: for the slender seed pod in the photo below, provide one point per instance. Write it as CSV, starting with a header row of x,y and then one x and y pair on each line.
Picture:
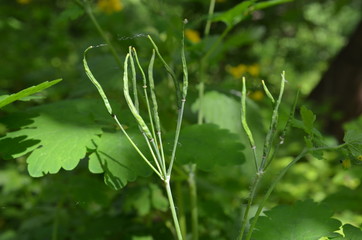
x,y
95,82
131,106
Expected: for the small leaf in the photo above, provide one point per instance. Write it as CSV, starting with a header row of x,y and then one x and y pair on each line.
x,y
208,145
7,99
234,15
118,160
302,221
353,139
308,119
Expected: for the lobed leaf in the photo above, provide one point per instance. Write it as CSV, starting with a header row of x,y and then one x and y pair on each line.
x,y
117,159
303,221
353,139
58,137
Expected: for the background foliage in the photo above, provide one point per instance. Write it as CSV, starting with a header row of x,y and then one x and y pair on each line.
x,y
65,127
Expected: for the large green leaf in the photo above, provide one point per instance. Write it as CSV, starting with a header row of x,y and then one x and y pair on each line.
x,y
353,139
118,160
58,137
303,221
208,145
7,99
224,111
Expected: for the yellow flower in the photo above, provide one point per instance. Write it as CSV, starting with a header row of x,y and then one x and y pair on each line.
x,y
192,35
110,6
359,157
23,1
257,95
346,163
254,70
238,71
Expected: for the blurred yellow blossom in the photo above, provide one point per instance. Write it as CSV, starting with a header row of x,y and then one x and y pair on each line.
x,y
346,163
254,70
110,6
23,1
238,71
192,35
257,95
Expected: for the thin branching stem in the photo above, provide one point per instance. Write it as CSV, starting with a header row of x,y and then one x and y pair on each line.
x,y
245,125
279,177
284,132
137,149
177,135
273,127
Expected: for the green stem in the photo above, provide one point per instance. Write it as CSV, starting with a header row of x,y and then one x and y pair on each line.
x,y
208,22
278,178
173,209
56,220
180,207
88,10
253,188
273,127
177,134
193,198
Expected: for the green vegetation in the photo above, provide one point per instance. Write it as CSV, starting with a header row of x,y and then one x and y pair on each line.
x,y
185,120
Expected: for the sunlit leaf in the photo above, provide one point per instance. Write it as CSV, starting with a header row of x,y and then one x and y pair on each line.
x,y
303,221
62,133
353,139
5,100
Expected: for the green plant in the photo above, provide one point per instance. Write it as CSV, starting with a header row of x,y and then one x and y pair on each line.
x,y
209,168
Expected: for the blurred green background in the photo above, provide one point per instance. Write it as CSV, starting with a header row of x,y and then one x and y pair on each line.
x,y
44,40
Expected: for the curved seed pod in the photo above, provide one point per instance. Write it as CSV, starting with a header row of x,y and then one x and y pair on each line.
x,y
95,82
266,90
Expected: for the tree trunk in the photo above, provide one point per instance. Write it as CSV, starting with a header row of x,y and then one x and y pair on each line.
x,y
341,86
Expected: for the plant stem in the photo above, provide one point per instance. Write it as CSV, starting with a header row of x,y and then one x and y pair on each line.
x,y
278,178
173,209
180,206
253,188
177,134
193,197
88,10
